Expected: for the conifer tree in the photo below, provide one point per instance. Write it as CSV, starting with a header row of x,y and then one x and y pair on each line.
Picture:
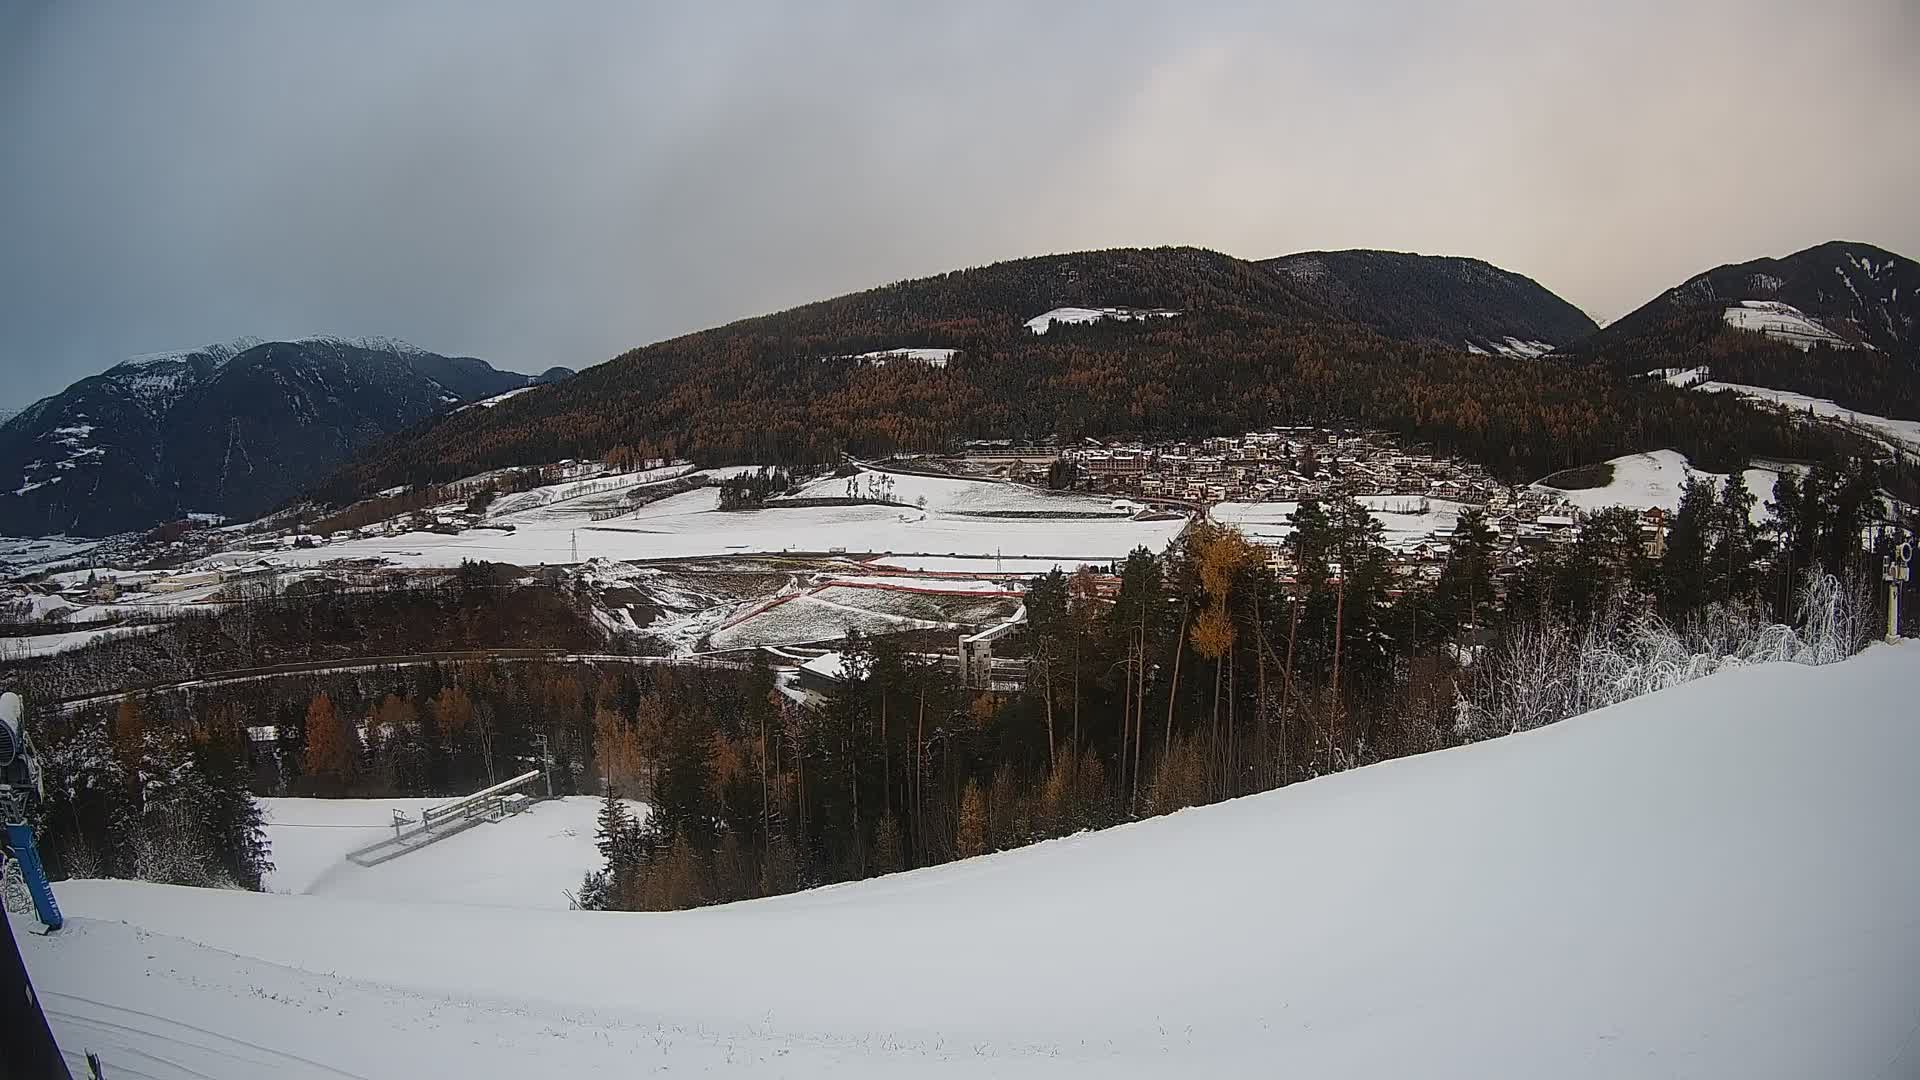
x,y
1732,557
1683,565
613,835
1466,582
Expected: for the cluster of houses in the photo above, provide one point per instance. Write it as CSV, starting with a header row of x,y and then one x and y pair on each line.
x,y
1282,465
1295,464
109,586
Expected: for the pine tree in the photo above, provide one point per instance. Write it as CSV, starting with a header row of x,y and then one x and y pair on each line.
x,y
230,813
1733,548
1466,582
1683,566
614,834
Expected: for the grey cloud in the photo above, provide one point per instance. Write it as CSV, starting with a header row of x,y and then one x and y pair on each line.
x,y
541,184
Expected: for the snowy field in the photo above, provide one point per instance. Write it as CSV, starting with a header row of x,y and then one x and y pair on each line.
x,y
883,357
957,521
1644,481
490,402
830,611
1065,316
1783,322
1409,520
514,507
1898,434
29,554
1514,348
984,564
37,645
1680,886
531,860
960,496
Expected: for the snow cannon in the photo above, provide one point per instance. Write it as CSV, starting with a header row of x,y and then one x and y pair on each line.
x,y
21,791
19,765
13,719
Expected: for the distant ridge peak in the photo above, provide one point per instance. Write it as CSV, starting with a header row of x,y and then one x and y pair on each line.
x,y
221,352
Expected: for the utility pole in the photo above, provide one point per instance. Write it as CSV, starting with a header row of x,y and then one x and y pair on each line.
x,y
546,762
576,545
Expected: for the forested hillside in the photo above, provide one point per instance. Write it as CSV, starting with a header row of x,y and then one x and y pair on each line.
x,y
1839,321
1862,294
1248,349
1449,302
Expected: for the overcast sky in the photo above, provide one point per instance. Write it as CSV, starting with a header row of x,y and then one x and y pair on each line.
x,y
542,184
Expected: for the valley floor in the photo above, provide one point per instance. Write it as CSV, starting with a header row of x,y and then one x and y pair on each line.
x,y
1718,880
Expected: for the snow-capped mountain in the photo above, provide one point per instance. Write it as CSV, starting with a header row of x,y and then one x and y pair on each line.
x,y
1839,323
1463,303
1840,294
232,429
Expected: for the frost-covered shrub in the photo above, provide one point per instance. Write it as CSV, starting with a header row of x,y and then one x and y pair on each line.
x,y
1542,672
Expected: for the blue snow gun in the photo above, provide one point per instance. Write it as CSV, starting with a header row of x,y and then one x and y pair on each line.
x,y
21,790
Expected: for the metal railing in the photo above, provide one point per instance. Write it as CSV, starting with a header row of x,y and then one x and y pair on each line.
x,y
488,804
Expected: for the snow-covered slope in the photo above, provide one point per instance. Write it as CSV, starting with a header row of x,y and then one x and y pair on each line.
x,y
1064,316
1513,348
1698,883
1654,479
37,645
1839,294
532,860
1903,435
1783,322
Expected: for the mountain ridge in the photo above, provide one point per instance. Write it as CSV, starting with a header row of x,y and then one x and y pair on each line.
x,y
1442,299
1839,320
1852,289
1126,342
232,428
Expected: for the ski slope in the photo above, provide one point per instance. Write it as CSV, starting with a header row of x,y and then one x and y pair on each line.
x,y
1718,880
532,860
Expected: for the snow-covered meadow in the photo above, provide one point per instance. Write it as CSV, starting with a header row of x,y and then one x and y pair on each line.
x,y
1783,322
959,518
1408,520
1067,316
1679,885
1513,348
1655,479
32,646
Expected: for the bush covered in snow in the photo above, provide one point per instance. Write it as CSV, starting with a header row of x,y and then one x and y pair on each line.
x,y
1544,671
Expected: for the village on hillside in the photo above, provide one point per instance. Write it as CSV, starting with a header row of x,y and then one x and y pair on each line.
x,y
670,559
